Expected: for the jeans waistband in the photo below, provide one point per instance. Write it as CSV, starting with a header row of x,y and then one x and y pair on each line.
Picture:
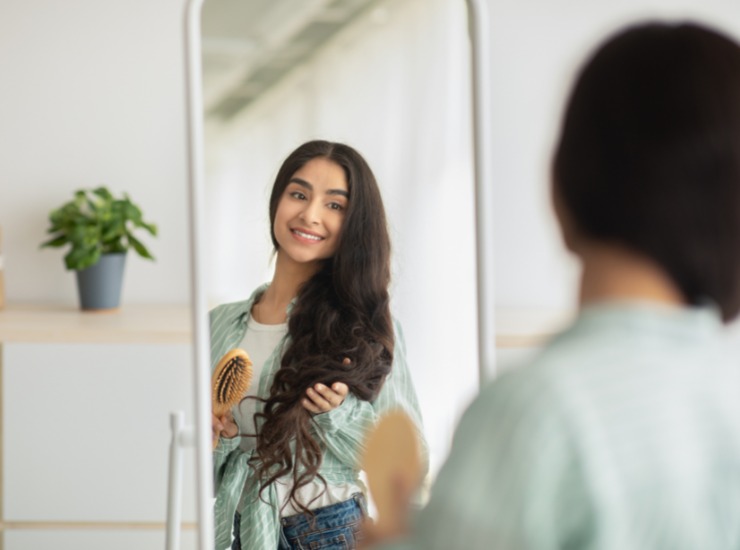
x,y
347,512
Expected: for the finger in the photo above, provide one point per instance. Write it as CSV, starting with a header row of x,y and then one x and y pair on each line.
x,y
332,397
340,388
216,424
309,406
229,428
318,399
346,361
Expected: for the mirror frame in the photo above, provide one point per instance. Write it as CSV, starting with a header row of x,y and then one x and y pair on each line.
x,y
478,29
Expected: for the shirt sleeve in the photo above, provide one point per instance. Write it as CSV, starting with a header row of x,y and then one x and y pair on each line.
x,y
512,479
344,429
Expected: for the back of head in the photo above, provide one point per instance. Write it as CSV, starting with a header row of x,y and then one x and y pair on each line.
x,y
649,154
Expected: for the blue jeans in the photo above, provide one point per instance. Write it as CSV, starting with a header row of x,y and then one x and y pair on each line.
x,y
334,527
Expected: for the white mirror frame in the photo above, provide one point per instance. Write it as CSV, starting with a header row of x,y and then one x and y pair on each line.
x,y
478,20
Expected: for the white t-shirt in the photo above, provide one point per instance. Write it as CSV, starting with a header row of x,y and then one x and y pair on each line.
x,y
259,342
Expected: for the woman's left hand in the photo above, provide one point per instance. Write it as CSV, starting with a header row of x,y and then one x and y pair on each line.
x,y
320,398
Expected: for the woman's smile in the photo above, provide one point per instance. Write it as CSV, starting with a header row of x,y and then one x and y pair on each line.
x,y
306,236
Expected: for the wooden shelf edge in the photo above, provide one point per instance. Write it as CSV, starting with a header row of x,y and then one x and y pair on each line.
x,y
88,525
154,323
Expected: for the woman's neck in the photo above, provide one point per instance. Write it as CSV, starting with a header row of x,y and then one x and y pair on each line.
x,y
612,272
286,282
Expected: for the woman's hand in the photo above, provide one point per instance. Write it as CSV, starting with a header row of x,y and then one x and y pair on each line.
x,y
223,426
320,398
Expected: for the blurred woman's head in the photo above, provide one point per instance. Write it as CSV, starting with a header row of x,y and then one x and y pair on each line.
x,y
649,155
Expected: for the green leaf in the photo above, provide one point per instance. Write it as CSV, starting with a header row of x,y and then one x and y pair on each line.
x,y
103,193
91,235
113,230
139,247
150,227
132,212
56,216
114,247
56,242
81,258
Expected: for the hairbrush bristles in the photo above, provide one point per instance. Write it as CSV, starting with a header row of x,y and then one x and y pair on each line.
x,y
231,380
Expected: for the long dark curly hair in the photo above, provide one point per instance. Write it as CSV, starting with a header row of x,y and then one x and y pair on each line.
x,y
341,312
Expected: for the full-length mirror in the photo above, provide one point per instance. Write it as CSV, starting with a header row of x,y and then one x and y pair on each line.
x,y
391,79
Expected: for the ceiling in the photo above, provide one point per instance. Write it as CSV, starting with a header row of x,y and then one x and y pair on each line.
x,y
249,45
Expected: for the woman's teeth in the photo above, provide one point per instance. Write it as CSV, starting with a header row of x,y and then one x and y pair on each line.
x,y
306,235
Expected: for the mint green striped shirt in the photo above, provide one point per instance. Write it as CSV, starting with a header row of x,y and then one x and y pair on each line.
x,y
623,434
342,432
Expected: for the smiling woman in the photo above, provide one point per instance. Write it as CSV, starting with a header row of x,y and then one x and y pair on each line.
x,y
328,356
310,213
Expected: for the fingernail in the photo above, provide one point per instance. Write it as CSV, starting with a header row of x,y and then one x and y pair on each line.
x,y
319,387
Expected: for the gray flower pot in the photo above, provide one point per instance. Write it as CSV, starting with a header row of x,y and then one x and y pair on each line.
x,y
99,286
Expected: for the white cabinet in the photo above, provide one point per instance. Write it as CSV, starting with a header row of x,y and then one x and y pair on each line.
x,y
85,432
90,539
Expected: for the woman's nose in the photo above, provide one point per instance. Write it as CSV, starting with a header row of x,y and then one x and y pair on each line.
x,y
310,213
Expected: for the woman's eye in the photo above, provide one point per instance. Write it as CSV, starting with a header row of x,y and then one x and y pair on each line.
x,y
298,195
336,206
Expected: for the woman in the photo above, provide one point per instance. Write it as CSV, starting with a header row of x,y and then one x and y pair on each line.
x,y
625,431
328,359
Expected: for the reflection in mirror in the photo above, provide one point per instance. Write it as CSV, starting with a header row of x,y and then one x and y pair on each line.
x,y
392,80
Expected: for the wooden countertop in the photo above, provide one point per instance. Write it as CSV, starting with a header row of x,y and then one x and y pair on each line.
x,y
141,324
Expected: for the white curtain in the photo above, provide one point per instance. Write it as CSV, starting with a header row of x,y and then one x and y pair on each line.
x,y
395,85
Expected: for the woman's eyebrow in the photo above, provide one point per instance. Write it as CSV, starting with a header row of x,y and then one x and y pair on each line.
x,y
305,184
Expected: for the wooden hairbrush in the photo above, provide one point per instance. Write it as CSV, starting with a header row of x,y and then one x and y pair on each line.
x,y
393,464
230,381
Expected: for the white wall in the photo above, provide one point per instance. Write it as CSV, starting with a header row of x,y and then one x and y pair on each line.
x,y
92,92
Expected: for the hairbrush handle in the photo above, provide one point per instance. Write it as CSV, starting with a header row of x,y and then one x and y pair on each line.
x,y
393,464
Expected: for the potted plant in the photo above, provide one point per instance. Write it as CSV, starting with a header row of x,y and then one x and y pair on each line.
x,y
99,229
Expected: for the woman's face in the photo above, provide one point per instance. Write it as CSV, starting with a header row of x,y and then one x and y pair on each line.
x,y
309,216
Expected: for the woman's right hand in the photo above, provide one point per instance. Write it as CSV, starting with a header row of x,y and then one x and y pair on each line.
x,y
223,426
